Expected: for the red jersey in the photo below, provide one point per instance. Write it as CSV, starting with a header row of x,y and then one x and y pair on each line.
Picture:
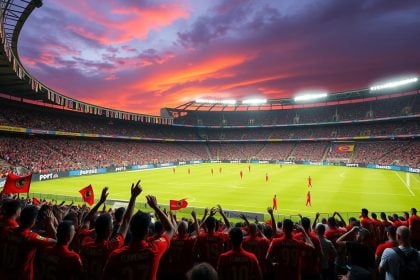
x,y
58,262
258,246
178,259
311,256
7,223
18,248
381,247
368,224
138,260
414,224
95,254
238,265
210,246
333,233
285,253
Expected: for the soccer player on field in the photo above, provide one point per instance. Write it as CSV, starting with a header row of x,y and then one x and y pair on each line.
x,y
309,182
249,168
173,170
140,259
308,199
220,170
19,245
95,251
189,171
241,174
275,202
266,177
238,263
58,262
285,252
211,170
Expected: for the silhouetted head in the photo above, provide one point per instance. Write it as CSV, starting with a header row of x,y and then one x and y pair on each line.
x,y
202,271
103,226
65,232
306,223
28,216
320,229
365,212
11,207
287,226
236,237
119,214
211,223
139,225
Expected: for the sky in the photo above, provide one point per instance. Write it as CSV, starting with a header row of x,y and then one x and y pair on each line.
x,y
142,55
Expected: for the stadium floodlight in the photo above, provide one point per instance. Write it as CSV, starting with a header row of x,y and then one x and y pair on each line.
x,y
394,84
310,96
228,101
254,101
206,101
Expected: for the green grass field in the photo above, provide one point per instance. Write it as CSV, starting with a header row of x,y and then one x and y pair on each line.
x,y
334,188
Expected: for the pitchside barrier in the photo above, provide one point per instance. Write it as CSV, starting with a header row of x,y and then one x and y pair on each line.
x,y
83,172
186,212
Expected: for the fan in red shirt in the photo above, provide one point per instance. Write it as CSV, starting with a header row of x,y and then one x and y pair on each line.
x,y
391,233
172,265
19,245
368,224
312,256
58,262
257,244
333,232
414,226
95,251
11,211
238,263
211,244
379,229
140,259
285,252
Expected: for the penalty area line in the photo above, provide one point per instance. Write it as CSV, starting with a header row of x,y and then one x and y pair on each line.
x,y
405,184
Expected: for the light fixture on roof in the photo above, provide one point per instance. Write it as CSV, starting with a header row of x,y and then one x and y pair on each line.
x,y
254,101
310,96
394,84
213,101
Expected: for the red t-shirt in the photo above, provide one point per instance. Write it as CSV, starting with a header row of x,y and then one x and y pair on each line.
x,y
18,248
7,223
381,247
95,254
210,246
179,258
414,224
311,256
258,246
137,260
333,233
285,253
58,262
238,265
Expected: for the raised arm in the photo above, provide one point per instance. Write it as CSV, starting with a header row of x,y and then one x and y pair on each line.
x,y
95,208
308,241
315,221
135,192
273,221
151,200
194,216
342,239
226,221
341,218
243,217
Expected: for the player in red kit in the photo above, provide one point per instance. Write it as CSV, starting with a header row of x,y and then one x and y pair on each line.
x,y
308,198
309,182
241,174
140,259
238,263
275,202
58,262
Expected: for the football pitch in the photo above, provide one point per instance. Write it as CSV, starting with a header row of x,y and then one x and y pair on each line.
x,y
334,188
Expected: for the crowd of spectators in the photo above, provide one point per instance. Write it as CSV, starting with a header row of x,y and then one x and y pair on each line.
x,y
49,240
399,106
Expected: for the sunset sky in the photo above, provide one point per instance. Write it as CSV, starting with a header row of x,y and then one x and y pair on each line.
x,y
142,55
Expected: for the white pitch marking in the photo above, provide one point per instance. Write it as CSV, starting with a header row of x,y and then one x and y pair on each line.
x,y
405,184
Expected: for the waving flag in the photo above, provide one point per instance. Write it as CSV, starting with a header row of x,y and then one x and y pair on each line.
x,y
178,204
87,194
17,184
344,148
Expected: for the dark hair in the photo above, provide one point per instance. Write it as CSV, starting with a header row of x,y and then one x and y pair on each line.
x,y
10,207
158,228
332,222
119,214
103,224
414,210
236,236
211,223
202,271
63,231
287,226
373,214
320,229
306,223
383,216
139,224
365,211
28,216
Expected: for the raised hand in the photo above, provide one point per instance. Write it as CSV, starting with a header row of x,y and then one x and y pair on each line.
x,y
151,200
213,211
104,195
136,189
219,208
270,210
194,214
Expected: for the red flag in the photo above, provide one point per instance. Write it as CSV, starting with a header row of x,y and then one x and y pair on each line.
x,y
35,201
17,184
178,204
87,194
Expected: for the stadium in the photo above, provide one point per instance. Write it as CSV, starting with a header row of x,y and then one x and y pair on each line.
x,y
315,154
